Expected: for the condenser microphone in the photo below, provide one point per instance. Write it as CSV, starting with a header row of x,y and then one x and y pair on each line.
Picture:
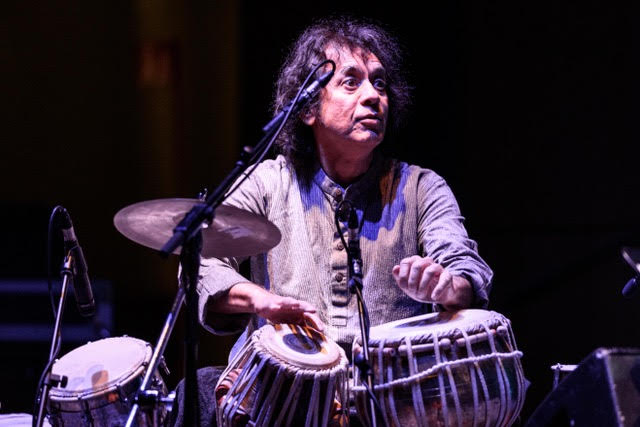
x,y
81,284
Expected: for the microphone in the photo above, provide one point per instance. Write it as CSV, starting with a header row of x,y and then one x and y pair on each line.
x,y
306,97
632,257
353,230
631,287
81,284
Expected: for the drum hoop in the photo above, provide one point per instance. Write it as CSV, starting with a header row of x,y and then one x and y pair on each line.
x,y
119,385
492,320
274,359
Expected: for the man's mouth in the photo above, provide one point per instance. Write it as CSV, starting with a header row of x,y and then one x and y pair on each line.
x,y
372,118
372,122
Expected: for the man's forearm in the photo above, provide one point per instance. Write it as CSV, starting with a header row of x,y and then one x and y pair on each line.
x,y
240,298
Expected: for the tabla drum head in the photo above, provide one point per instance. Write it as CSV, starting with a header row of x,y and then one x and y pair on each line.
x,y
100,365
434,325
299,346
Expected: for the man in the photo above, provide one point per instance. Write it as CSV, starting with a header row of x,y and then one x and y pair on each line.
x,y
415,250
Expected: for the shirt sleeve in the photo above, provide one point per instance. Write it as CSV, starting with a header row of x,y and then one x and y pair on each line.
x,y
218,275
442,236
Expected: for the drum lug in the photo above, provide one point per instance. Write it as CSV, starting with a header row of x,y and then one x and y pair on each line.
x,y
121,394
163,367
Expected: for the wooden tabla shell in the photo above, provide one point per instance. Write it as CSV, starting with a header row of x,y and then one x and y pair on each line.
x,y
102,377
284,375
450,368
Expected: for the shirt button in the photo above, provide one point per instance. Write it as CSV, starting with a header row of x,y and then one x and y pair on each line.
x,y
337,194
340,246
339,277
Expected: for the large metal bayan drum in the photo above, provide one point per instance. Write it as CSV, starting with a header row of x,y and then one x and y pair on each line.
x,y
284,375
103,377
451,368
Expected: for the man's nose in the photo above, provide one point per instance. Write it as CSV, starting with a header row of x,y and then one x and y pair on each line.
x,y
370,96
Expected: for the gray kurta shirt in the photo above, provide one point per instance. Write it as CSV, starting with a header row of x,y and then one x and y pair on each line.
x,y
404,210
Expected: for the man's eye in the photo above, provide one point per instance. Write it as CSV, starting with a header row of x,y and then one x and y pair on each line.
x,y
380,84
350,82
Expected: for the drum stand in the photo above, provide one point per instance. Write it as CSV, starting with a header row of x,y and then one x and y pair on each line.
x,y
51,380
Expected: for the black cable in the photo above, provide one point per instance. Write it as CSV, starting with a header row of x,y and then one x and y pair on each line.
x,y
54,212
375,403
277,132
50,231
336,218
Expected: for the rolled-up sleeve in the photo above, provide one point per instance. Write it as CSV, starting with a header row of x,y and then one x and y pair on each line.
x,y
442,236
218,275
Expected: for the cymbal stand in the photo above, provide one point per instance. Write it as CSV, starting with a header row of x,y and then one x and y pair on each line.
x,y
145,396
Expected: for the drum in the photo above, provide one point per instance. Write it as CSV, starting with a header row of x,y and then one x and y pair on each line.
x,y
451,368
102,378
284,375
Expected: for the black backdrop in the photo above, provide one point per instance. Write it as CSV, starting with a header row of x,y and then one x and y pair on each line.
x,y
526,109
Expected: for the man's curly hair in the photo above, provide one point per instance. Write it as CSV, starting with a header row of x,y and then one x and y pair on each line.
x,y
296,140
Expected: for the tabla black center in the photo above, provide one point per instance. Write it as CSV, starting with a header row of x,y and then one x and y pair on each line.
x,y
301,343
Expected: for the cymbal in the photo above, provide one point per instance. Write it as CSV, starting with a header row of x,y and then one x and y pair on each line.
x,y
233,232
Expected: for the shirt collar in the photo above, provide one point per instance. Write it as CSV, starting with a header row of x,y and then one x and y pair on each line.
x,y
363,186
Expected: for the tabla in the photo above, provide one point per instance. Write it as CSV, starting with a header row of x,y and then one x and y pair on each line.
x,y
284,375
102,378
451,368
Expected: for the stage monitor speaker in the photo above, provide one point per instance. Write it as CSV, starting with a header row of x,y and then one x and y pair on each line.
x,y
604,390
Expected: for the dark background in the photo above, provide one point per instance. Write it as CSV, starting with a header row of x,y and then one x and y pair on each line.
x,y
527,109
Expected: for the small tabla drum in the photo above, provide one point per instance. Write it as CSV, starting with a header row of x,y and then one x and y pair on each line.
x,y
103,377
451,368
284,375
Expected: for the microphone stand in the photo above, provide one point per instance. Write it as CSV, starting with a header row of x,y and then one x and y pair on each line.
x,y
354,259
51,380
188,231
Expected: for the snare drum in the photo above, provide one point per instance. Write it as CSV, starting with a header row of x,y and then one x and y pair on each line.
x,y
102,378
284,375
451,368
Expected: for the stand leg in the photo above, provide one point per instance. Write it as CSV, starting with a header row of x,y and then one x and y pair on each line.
x,y
190,260
55,341
158,351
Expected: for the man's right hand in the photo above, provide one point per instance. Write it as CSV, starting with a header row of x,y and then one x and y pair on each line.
x,y
247,297
279,309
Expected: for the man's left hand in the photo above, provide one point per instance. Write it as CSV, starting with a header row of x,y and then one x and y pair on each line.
x,y
427,281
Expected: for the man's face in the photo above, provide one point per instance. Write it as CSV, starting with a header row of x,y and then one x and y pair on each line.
x,y
352,115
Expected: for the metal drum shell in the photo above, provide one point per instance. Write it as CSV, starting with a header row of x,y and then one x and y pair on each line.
x,y
266,384
107,403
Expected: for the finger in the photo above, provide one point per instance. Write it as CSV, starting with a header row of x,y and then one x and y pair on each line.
x,y
428,281
395,271
416,272
403,272
290,303
314,321
444,283
404,267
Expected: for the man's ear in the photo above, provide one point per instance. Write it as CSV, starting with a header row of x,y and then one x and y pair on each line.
x,y
308,118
